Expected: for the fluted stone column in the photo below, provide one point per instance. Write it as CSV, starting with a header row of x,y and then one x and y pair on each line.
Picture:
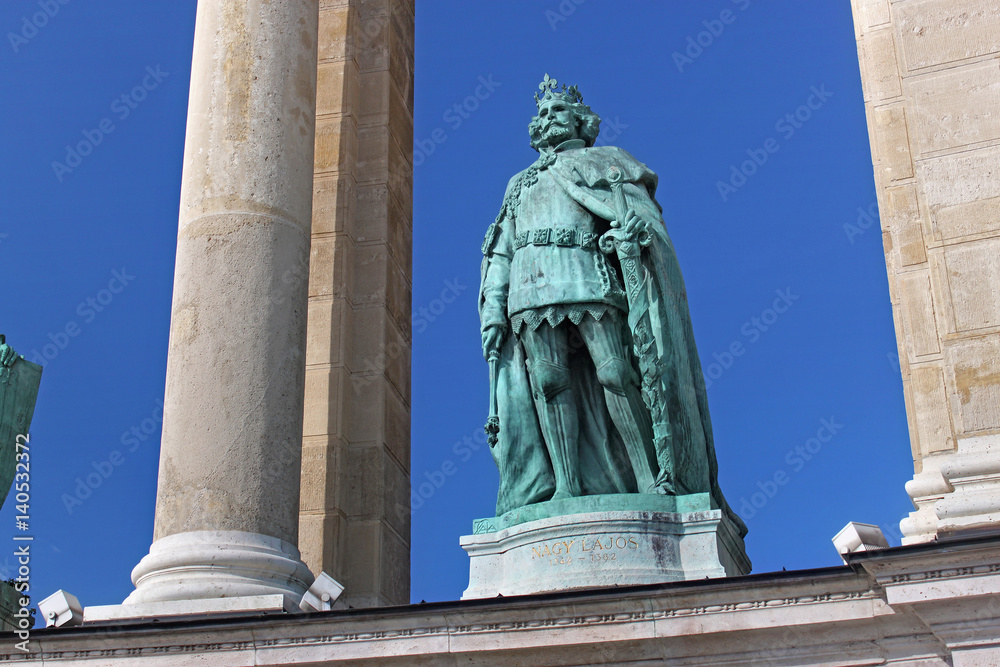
x,y
228,495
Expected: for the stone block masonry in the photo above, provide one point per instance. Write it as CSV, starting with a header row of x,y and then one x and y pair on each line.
x,y
931,81
355,500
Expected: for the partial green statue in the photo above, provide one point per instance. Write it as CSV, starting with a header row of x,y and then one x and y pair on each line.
x,y
596,386
19,382
7,354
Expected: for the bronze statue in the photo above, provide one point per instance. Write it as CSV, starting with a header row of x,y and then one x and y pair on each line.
x,y
598,386
19,381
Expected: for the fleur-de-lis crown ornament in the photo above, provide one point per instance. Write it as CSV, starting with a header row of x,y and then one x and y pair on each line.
x,y
550,91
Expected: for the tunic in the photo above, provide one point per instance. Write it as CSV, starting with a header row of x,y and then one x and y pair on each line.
x,y
545,262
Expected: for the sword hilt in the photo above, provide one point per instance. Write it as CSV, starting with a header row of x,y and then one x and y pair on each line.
x,y
612,239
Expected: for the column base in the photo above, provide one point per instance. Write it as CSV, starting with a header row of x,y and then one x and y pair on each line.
x,y
974,473
925,490
956,492
651,540
209,565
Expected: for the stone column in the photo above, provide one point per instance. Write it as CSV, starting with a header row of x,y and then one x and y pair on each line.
x,y
355,514
227,501
932,90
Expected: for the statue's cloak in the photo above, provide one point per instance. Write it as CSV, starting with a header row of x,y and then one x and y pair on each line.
x,y
18,393
525,470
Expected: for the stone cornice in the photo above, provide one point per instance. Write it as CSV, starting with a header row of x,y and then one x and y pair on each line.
x,y
606,621
841,615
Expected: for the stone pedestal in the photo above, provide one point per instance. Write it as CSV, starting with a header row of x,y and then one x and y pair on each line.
x,y
597,541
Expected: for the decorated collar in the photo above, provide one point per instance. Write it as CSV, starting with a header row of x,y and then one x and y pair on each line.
x,y
570,144
547,157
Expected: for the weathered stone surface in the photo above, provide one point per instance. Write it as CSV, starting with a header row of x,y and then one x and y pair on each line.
x,y
231,446
873,13
959,177
360,299
319,490
956,107
880,79
939,32
933,128
918,314
891,143
930,402
976,364
334,40
607,546
974,281
904,222
981,216
325,316
256,603
336,143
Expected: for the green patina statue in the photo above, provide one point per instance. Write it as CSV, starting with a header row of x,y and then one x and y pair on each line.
x,y
19,382
596,386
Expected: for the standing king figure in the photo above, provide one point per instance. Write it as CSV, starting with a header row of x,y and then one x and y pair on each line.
x,y
593,398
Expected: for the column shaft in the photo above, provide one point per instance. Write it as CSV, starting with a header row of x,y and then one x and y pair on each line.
x,y
231,448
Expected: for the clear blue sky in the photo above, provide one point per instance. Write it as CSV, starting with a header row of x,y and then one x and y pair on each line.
x,y
692,117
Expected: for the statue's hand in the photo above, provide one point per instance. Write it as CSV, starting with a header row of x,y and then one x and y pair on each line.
x,y
7,354
492,339
634,225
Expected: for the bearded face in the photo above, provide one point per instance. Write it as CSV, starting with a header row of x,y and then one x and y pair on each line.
x,y
558,122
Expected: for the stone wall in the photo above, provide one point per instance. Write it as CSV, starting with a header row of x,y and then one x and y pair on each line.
x,y
931,76
355,512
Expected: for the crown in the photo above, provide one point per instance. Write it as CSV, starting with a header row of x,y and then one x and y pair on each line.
x,y
549,92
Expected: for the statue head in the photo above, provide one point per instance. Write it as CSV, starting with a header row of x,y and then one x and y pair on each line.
x,y
562,115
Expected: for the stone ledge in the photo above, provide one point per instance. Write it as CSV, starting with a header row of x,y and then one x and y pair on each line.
x,y
833,616
251,603
634,502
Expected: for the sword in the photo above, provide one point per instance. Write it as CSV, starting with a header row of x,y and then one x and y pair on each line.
x,y
493,423
637,278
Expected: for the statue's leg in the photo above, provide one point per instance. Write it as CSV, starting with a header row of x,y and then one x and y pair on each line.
x,y
547,352
620,380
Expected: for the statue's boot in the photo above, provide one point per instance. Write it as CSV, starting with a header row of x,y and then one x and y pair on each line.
x,y
635,426
663,443
621,393
664,484
560,427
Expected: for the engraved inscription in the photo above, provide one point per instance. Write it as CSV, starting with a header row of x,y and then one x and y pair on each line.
x,y
588,549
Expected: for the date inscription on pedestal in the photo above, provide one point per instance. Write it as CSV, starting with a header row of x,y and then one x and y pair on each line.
x,y
583,550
